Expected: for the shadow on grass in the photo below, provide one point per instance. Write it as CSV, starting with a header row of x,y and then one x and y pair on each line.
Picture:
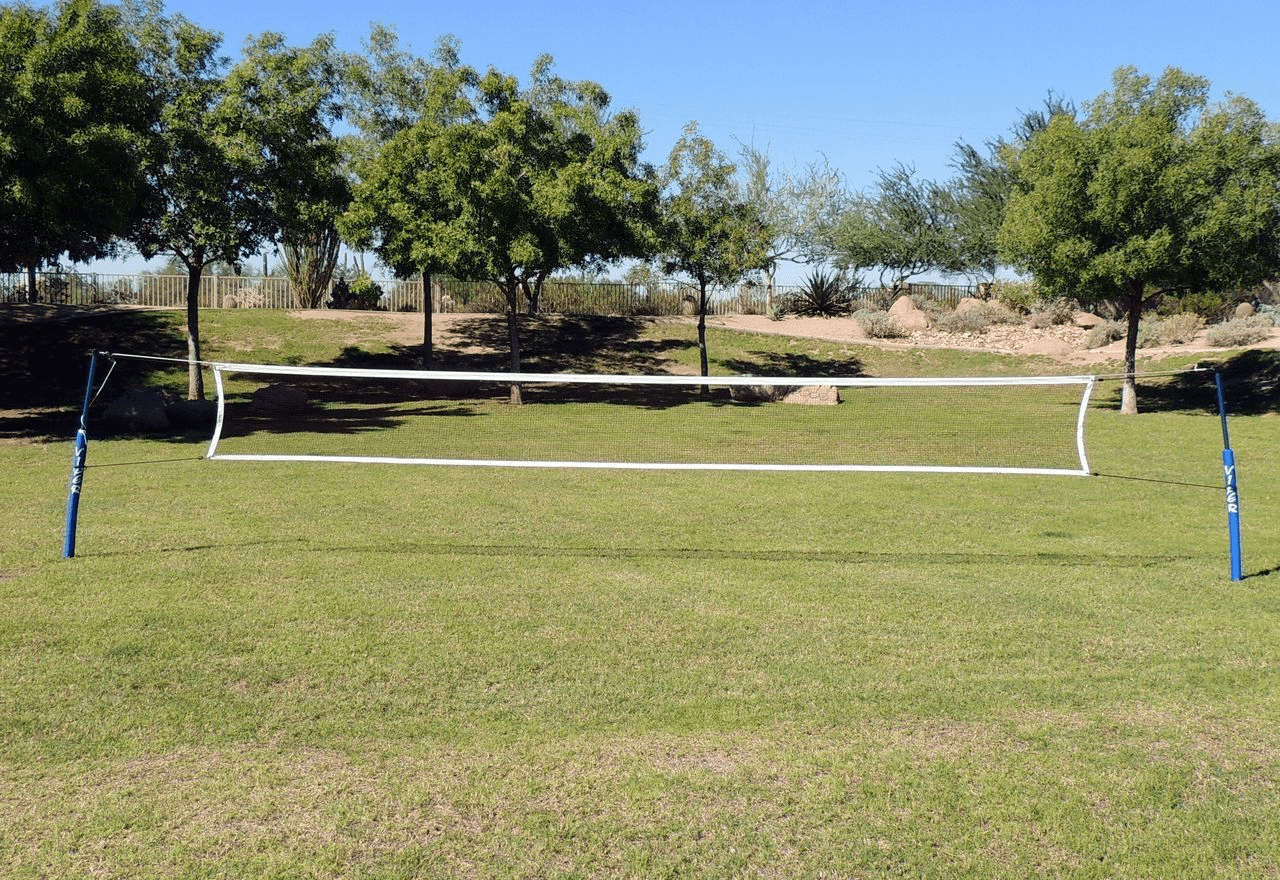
x,y
782,364
1251,382
44,366
548,344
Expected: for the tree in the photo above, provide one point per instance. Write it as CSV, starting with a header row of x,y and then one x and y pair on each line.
x,y
904,228
802,209
74,118
309,187
400,207
512,184
976,197
1153,191
710,232
240,153
387,85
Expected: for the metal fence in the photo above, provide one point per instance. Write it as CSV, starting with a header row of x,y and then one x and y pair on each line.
x,y
448,295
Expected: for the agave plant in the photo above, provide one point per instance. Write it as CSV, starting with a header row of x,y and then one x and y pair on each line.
x,y
822,296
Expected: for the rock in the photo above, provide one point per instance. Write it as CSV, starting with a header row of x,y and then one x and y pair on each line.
x,y
1245,310
907,315
968,304
279,399
192,413
903,305
759,393
139,410
911,321
1086,320
814,395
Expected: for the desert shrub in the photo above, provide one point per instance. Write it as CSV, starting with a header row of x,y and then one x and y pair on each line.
x,y
1271,313
1173,330
1051,312
1210,305
977,318
1149,335
1181,328
821,296
1104,334
1241,331
878,325
1018,296
362,292
935,310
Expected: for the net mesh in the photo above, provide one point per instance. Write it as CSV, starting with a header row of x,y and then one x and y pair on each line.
x,y
1033,425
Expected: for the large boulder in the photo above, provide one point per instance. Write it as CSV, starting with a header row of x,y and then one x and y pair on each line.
x,y
139,411
907,315
759,393
814,395
279,399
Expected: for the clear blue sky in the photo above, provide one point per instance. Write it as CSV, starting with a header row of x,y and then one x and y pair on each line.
x,y
865,85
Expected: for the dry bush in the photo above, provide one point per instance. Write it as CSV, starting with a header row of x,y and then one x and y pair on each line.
x,y
1181,328
1104,334
878,325
1242,331
977,318
1051,313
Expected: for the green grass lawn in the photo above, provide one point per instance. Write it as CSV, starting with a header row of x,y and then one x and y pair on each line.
x,y
291,670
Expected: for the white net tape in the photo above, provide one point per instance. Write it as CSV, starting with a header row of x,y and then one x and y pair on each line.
x,y
971,425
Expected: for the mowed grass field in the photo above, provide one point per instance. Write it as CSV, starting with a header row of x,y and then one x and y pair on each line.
x,y
302,670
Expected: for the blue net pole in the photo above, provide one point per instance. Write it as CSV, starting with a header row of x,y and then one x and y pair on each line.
x,y
77,465
1233,492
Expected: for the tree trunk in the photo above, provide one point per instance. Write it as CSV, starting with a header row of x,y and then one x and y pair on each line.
x,y
195,376
427,308
1129,392
33,295
513,336
702,333
533,292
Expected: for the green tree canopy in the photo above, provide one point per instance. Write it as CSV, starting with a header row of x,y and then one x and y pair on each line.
x,y
711,232
242,154
75,113
903,228
1154,190
801,208
978,194
508,184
